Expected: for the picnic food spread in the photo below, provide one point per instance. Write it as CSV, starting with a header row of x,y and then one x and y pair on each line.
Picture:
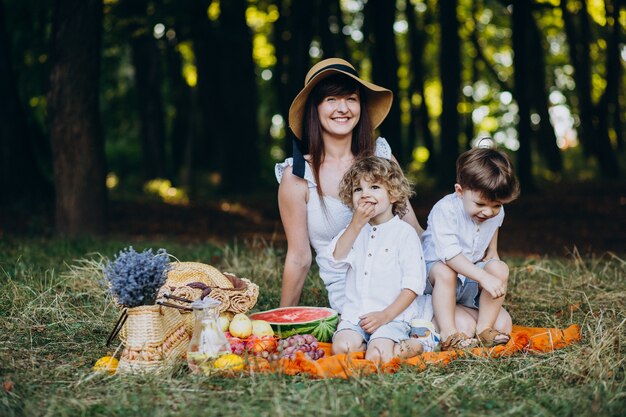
x,y
220,337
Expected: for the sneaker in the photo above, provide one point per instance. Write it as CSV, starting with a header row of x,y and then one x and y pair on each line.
x,y
424,331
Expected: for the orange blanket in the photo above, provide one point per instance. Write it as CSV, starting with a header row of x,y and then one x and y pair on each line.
x,y
525,339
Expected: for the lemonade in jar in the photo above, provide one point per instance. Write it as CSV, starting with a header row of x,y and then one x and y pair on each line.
x,y
208,342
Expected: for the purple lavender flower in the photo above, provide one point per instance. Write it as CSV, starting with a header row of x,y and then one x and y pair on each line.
x,y
135,278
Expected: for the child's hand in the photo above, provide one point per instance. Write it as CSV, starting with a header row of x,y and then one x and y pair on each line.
x,y
370,322
363,213
493,286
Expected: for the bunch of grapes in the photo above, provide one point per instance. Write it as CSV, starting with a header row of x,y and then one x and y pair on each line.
x,y
306,343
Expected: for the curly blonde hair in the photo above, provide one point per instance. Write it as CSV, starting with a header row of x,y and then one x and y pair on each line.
x,y
381,170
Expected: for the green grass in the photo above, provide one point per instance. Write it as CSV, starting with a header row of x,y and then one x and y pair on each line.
x,y
56,317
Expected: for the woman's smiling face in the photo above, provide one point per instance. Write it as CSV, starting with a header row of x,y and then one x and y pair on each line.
x,y
339,114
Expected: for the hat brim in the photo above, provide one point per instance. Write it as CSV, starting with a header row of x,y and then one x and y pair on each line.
x,y
379,100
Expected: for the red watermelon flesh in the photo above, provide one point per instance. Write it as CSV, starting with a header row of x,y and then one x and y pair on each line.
x,y
321,322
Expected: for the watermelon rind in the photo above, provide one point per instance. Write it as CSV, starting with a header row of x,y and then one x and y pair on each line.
x,y
323,329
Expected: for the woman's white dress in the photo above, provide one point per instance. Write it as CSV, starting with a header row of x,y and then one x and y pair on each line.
x,y
324,223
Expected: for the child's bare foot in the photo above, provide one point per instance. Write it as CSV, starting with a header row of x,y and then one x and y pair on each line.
x,y
407,348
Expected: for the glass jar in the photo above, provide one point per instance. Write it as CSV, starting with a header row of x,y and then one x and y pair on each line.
x,y
208,342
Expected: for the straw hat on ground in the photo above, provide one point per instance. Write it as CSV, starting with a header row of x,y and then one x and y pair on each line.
x,y
378,99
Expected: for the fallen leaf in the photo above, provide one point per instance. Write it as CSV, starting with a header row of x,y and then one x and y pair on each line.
x,y
8,386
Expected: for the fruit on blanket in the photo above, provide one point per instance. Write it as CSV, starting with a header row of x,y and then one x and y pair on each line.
x,y
230,362
261,328
224,321
261,346
237,346
320,322
106,364
240,326
306,343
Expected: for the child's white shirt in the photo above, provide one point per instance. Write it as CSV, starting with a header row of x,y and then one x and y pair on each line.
x,y
384,260
451,231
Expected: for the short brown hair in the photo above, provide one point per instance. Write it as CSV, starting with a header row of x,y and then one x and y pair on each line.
x,y
384,171
488,171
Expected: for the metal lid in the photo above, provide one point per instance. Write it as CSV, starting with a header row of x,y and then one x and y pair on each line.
x,y
207,302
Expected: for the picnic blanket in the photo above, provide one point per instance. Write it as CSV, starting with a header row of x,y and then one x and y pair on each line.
x,y
523,339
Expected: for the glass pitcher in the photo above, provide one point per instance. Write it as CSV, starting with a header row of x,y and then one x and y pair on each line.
x,y
208,341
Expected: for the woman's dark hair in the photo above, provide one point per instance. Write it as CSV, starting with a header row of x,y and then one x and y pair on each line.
x,y
362,135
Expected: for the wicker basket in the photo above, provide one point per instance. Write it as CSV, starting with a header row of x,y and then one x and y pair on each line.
x,y
154,338
194,280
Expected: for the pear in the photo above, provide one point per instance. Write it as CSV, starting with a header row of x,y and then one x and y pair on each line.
x,y
224,321
240,326
261,328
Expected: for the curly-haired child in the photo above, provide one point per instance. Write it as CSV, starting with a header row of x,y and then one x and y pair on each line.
x,y
383,260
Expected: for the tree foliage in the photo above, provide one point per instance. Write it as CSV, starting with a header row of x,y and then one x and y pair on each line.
x,y
197,92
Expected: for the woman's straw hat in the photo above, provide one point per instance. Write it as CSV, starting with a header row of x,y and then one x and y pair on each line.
x,y
378,99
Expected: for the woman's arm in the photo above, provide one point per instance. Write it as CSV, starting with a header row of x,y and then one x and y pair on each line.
x,y
411,219
292,199
410,216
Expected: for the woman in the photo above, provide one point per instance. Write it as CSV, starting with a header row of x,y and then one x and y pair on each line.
x,y
334,117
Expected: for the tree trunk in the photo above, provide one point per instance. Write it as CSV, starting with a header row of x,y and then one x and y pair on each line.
x,y
330,24
381,15
73,111
20,173
294,32
608,106
280,74
593,130
420,119
207,142
181,99
521,17
468,120
147,63
240,168
546,140
579,56
614,73
450,69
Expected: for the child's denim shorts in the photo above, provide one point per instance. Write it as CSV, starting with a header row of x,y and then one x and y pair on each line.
x,y
395,330
467,293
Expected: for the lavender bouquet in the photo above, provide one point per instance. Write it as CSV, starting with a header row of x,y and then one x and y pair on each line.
x,y
135,278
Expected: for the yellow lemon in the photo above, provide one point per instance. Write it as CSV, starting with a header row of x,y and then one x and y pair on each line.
x,y
230,362
106,364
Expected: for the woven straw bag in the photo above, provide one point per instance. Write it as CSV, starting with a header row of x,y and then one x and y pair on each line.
x,y
154,338
194,280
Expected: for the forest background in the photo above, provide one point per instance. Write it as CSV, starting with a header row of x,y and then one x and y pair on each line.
x,y
166,117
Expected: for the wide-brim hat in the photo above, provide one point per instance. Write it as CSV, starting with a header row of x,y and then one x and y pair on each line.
x,y
379,99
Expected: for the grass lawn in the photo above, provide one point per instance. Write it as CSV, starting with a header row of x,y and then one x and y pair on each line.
x,y
56,318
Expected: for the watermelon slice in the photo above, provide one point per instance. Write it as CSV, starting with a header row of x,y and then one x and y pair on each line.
x,y
321,322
